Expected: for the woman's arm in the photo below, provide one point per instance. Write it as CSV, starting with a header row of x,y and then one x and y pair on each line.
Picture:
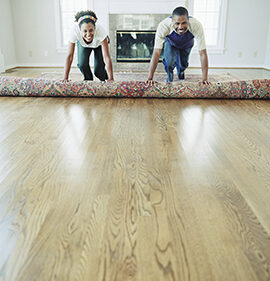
x,y
107,58
69,59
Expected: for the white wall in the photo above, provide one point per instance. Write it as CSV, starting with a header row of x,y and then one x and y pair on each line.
x,y
105,7
267,52
37,36
144,6
7,44
245,38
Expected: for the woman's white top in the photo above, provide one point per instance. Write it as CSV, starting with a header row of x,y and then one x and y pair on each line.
x,y
99,36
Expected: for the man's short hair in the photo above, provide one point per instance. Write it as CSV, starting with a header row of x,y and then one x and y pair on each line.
x,y
180,11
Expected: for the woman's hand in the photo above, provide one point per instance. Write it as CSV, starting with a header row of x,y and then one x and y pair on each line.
x,y
65,80
109,80
206,82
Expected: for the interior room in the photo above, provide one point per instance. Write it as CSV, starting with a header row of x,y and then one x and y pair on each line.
x,y
134,140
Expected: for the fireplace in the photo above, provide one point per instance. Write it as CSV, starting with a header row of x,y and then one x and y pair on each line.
x,y
132,39
134,45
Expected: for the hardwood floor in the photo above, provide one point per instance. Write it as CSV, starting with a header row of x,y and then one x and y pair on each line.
x,y
134,189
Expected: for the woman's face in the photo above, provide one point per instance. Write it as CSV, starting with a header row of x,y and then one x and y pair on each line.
x,y
88,32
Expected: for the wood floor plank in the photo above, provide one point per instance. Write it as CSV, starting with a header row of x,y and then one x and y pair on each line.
x,y
134,189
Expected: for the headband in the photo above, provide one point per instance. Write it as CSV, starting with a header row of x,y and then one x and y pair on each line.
x,y
87,17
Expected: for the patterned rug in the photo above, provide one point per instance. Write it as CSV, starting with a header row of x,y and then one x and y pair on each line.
x,y
40,87
142,76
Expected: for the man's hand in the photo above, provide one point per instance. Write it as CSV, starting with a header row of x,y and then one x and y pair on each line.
x,y
153,66
151,82
109,80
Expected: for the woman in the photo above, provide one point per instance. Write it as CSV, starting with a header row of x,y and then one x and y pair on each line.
x,y
89,36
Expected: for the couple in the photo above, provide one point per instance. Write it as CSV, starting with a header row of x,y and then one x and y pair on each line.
x,y
175,33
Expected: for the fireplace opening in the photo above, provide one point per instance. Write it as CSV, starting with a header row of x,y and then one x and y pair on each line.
x,y
135,45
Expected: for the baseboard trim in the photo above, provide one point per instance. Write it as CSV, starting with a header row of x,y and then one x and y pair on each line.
x,y
229,67
42,66
12,67
34,66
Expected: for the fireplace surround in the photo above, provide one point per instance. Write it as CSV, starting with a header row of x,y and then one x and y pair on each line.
x,y
132,40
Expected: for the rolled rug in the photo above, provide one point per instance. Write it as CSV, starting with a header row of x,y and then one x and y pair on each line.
x,y
39,87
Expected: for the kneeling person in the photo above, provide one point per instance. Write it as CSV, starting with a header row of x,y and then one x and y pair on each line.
x,y
176,34
89,37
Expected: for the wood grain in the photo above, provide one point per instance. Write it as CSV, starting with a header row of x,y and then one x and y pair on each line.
x,y
134,189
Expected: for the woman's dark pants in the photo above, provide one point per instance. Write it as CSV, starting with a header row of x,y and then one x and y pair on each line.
x,y
84,66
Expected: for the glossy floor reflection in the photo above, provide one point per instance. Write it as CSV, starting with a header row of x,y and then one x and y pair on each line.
x,y
134,189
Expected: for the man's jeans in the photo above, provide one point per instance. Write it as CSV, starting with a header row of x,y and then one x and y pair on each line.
x,y
174,57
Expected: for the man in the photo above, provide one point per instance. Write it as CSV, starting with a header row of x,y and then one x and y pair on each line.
x,y
177,34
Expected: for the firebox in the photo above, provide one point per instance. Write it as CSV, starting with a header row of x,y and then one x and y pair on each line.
x,y
135,45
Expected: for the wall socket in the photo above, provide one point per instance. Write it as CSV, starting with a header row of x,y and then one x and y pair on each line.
x,y
240,54
30,53
46,53
255,54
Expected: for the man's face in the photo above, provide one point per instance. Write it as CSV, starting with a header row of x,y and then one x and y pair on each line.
x,y
180,24
88,32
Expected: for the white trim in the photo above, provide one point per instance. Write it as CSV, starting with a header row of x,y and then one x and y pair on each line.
x,y
191,66
210,51
229,66
58,33
10,66
215,51
222,24
60,47
90,5
42,65
62,50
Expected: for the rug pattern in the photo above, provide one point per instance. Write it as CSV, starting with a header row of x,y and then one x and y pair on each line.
x,y
249,89
142,76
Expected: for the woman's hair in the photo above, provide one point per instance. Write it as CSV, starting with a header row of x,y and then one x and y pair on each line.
x,y
92,17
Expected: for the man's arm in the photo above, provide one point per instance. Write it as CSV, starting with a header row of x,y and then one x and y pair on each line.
x,y
153,64
204,64
163,30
